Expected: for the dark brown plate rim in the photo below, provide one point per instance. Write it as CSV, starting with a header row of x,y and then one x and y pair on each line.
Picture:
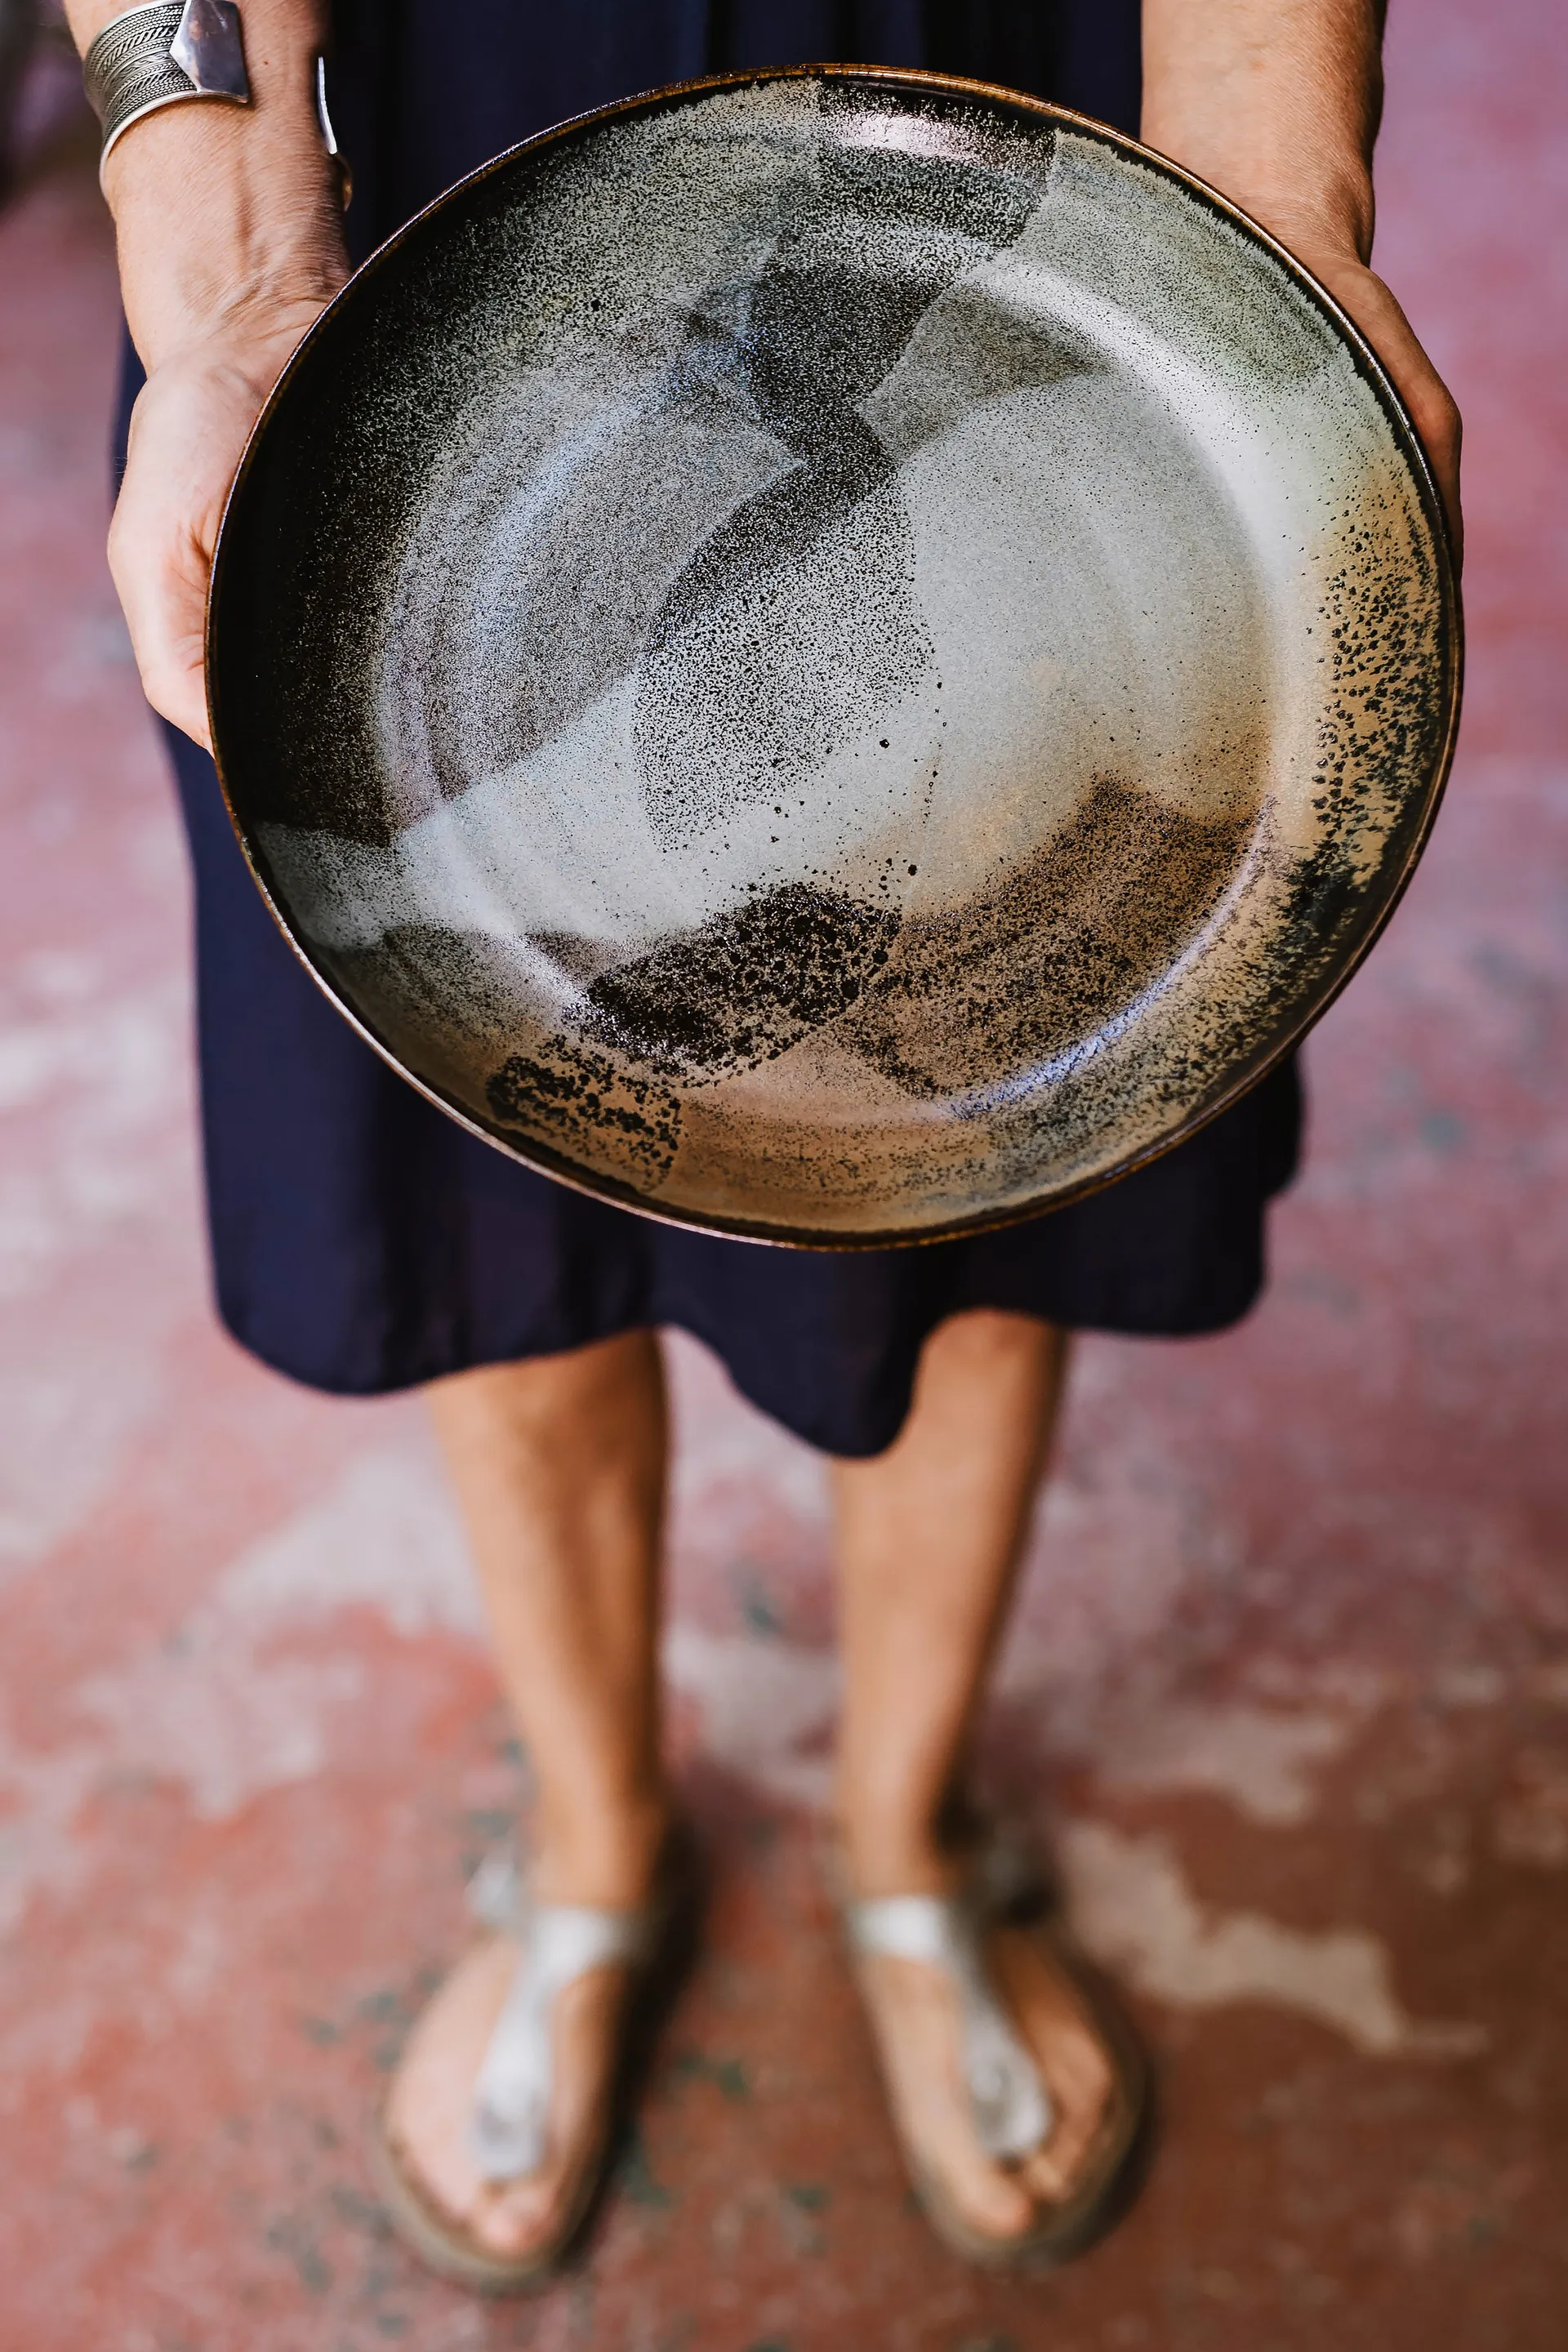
x,y
895,79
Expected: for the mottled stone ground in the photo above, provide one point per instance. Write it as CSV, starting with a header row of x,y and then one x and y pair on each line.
x,y
1289,1689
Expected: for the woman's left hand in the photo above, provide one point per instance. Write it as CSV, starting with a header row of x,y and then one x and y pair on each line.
x,y
1276,103
1367,301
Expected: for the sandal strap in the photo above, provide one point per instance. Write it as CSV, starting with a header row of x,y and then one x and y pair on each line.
x,y
1012,2114
559,1942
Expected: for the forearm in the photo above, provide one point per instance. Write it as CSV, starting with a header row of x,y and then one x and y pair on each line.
x,y
1274,102
228,218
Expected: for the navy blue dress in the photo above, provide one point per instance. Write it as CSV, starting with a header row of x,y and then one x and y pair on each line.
x,y
363,1242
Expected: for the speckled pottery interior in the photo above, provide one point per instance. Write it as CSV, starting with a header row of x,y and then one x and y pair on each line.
x,y
836,657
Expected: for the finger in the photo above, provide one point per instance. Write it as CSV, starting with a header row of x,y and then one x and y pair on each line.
x,y
165,626
1434,416
1376,311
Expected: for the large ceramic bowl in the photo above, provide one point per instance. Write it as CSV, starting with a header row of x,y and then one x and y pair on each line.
x,y
839,657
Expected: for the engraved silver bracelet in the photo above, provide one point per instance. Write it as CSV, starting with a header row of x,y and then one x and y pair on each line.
x,y
176,49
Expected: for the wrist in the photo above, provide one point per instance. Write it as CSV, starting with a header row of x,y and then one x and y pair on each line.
x,y
1322,204
228,218
243,348
1276,104
1332,221
223,252
250,309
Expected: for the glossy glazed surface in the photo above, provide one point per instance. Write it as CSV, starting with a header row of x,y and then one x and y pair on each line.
x,y
832,656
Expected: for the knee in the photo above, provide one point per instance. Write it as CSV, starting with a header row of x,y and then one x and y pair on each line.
x,y
994,1338
548,1400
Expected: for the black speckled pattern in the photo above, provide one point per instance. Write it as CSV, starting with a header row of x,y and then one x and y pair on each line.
x,y
836,657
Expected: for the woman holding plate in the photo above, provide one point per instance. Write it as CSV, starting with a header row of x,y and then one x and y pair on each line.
x,y
364,1243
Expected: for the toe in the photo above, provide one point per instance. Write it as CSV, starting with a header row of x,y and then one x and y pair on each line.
x,y
996,2202
510,2223
916,2018
1072,2059
1053,2169
1045,2175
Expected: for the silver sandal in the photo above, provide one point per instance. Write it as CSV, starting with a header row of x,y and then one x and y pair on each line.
x,y
552,1945
1012,2106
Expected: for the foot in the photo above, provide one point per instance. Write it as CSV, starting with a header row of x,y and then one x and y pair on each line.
x,y
915,2016
431,2100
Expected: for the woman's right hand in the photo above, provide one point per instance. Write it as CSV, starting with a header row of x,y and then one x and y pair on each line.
x,y
188,431
229,224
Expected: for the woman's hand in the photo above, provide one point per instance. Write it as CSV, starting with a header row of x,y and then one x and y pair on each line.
x,y
1364,296
188,430
231,231
1276,104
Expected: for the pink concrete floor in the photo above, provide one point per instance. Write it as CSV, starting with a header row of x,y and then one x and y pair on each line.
x,y
1289,1691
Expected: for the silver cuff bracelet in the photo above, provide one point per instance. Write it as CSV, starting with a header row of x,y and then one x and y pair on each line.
x,y
154,57
179,49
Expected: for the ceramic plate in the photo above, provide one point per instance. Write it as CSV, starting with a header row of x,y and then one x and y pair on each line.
x,y
839,657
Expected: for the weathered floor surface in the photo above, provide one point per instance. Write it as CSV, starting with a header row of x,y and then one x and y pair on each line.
x,y
1290,1690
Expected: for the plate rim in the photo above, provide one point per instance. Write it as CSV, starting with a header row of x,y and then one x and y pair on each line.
x,y
542,1158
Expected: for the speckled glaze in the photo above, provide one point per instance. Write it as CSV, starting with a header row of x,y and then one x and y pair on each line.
x,y
837,656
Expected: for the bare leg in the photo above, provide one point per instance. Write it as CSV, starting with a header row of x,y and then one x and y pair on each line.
x,y
559,1468
930,1537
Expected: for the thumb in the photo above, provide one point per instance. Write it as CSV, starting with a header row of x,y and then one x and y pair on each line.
x,y
160,571
187,431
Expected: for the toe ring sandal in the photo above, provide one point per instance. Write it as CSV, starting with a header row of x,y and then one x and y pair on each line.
x,y
1011,2104
555,1944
